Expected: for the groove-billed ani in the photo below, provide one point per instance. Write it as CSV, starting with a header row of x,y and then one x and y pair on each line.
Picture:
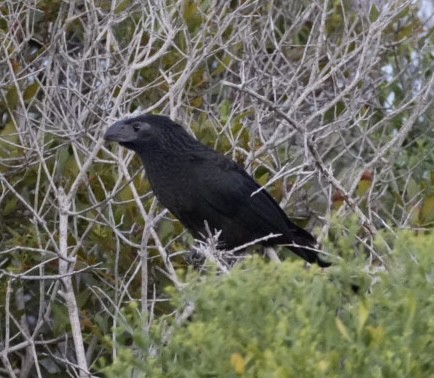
x,y
198,184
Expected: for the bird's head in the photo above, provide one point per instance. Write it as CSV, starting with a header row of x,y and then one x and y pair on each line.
x,y
143,131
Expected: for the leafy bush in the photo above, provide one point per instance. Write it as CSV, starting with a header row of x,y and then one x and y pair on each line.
x,y
269,320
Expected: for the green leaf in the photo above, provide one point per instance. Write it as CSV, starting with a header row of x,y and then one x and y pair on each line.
x,y
363,315
31,91
12,98
426,214
10,206
342,329
374,13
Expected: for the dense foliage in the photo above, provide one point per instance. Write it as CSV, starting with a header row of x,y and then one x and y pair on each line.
x,y
269,320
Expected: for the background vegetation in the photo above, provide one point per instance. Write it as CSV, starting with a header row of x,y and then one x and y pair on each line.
x,y
268,320
328,104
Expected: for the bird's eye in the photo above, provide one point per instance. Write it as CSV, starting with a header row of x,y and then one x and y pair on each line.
x,y
136,127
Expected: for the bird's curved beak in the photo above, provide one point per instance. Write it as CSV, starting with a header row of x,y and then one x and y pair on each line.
x,y
120,132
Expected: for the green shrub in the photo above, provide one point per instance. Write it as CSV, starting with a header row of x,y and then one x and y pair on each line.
x,y
269,320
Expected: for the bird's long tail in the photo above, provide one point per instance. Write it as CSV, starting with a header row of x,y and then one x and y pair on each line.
x,y
305,245
310,255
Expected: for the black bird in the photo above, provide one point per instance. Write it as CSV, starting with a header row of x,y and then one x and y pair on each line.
x,y
198,184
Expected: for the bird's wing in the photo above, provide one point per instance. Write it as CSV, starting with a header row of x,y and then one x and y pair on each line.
x,y
230,191
230,200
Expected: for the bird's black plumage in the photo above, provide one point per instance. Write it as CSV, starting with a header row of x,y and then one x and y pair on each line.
x,y
198,184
